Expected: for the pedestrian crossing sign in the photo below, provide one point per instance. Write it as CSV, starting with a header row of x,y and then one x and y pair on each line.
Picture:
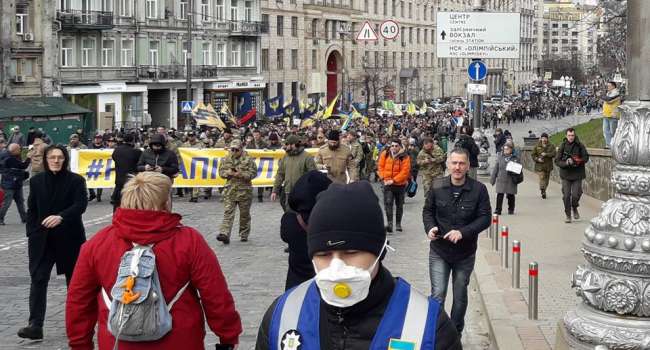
x,y
187,106
398,344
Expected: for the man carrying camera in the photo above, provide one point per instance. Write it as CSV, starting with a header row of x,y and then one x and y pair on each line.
x,y
571,159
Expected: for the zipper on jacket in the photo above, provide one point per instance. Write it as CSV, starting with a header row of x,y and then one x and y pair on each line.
x,y
344,336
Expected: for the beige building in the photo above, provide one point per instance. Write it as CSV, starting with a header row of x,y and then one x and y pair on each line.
x,y
311,42
27,49
571,33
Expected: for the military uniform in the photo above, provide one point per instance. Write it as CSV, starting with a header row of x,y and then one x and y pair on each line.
x,y
290,169
431,165
196,145
336,162
543,163
238,192
357,158
370,165
223,143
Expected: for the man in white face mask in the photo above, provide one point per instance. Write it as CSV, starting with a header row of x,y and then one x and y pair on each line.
x,y
354,302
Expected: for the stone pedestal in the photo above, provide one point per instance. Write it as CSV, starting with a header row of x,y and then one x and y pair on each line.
x,y
614,284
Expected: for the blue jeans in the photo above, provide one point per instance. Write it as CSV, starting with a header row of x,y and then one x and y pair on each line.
x,y
439,271
609,130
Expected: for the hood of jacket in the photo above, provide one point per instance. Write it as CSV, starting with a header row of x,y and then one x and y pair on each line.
x,y
145,226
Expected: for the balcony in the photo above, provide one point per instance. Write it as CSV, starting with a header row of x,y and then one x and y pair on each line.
x,y
245,28
85,20
94,74
179,72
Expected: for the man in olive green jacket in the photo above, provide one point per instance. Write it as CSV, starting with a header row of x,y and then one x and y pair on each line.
x,y
239,170
543,155
431,161
292,166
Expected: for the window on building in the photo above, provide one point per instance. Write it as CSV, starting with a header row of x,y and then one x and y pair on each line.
x,y
151,8
365,5
126,58
66,5
221,11
294,59
314,28
280,25
410,10
424,12
401,8
375,6
153,53
410,35
280,89
555,25
385,59
66,52
417,60
294,26
207,54
186,51
221,55
205,10
249,51
410,59
314,59
126,7
417,35
394,59
385,7
265,59
248,11
280,59
425,61
87,52
235,60
184,8
108,53
353,59
22,66
22,22
376,59
554,33
401,62
574,34
294,89
234,10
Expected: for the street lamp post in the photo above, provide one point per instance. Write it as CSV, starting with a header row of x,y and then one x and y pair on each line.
x,y
614,284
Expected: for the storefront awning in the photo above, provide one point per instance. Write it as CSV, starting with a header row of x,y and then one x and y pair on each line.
x,y
38,107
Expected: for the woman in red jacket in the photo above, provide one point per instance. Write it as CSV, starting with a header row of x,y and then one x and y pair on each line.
x,y
182,255
394,169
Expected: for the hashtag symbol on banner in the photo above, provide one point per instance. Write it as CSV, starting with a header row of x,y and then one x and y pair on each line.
x,y
95,169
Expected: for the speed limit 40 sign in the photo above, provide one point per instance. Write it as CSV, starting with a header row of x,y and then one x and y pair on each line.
x,y
389,30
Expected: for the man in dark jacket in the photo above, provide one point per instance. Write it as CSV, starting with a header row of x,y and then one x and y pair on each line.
x,y
571,159
158,158
467,142
294,223
55,230
346,306
456,210
499,140
13,173
126,158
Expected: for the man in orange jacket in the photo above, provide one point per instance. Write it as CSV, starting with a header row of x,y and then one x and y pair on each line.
x,y
394,169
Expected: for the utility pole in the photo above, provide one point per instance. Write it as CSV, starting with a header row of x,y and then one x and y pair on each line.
x,y
613,284
188,63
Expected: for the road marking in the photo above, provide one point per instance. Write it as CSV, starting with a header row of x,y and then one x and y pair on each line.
x,y
22,242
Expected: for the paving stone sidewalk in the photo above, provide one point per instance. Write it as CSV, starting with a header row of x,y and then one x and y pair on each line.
x,y
546,239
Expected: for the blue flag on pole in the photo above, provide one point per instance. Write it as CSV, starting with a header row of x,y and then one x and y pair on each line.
x,y
275,107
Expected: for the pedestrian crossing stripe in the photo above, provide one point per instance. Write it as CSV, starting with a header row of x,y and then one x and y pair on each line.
x,y
398,344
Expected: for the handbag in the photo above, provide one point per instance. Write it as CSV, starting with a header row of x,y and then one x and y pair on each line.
x,y
411,188
516,178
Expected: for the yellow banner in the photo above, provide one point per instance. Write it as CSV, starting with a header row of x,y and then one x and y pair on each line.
x,y
197,167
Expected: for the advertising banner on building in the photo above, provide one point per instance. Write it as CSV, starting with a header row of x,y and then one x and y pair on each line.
x,y
197,167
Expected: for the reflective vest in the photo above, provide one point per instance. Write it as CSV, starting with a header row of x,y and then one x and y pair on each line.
x,y
408,323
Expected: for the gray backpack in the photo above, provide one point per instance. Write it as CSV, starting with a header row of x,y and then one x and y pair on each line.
x,y
138,311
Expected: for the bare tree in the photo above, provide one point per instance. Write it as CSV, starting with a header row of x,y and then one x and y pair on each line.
x,y
612,45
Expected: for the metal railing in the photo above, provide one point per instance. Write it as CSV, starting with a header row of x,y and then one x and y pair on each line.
x,y
246,27
84,19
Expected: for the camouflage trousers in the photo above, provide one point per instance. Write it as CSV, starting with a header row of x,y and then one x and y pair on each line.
x,y
234,199
427,181
544,176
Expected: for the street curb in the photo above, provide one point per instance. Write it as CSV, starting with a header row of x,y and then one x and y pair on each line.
x,y
484,311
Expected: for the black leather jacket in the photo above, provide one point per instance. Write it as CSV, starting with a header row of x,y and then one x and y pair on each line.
x,y
353,328
470,213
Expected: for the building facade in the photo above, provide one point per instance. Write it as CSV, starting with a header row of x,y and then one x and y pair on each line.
x,y
27,49
570,32
126,60
311,50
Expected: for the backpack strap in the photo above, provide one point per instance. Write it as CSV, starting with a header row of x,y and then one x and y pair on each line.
x,y
177,296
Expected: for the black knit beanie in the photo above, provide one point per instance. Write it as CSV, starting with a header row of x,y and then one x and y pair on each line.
x,y
347,217
303,194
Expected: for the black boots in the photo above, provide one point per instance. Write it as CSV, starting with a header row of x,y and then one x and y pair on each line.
x,y
389,227
543,194
399,227
576,215
31,332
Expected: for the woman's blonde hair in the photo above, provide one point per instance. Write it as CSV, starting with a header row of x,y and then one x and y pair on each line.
x,y
146,191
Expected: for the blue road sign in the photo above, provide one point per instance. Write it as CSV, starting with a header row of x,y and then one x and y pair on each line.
x,y
187,106
477,70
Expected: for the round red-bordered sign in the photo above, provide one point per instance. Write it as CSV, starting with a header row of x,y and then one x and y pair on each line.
x,y
389,30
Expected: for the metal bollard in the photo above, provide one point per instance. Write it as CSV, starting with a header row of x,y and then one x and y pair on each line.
x,y
504,247
533,290
516,263
495,238
494,227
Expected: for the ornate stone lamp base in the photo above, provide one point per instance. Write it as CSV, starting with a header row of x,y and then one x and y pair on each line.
x,y
614,284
